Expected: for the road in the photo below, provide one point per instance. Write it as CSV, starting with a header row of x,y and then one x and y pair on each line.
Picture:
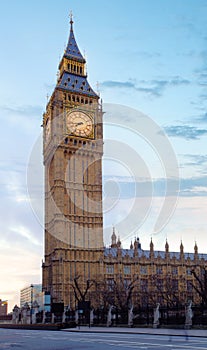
x,y
58,340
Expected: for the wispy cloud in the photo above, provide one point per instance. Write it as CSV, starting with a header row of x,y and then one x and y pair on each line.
x,y
185,131
202,118
118,84
22,110
153,87
195,160
194,186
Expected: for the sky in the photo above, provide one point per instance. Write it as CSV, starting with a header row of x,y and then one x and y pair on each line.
x,y
147,55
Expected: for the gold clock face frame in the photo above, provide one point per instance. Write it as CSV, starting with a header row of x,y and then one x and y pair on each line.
x,y
80,124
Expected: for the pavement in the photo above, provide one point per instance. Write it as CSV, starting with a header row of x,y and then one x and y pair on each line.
x,y
156,331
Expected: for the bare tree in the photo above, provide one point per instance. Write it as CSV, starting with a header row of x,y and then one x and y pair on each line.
x,y
80,294
116,292
200,284
166,291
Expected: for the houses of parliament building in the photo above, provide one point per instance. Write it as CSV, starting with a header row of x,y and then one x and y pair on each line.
x,y
77,265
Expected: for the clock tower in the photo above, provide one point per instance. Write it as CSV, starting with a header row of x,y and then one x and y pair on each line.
x,y
72,148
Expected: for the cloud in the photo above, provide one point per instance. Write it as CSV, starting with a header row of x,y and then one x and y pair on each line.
x,y
194,160
195,191
202,118
153,87
118,84
185,131
194,186
28,116
23,110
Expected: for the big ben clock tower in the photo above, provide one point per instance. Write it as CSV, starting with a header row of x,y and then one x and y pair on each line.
x,y
73,148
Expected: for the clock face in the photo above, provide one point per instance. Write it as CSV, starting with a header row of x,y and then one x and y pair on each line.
x,y
79,124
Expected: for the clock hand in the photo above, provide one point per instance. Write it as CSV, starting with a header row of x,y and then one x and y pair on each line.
x,y
79,123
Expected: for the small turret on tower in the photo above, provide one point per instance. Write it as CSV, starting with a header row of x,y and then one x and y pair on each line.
x,y
113,239
151,249
181,248
151,246
195,251
166,249
181,251
119,243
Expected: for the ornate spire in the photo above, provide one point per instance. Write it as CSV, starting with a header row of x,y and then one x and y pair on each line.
x,y
195,249
72,69
151,246
181,247
166,246
113,239
119,243
72,51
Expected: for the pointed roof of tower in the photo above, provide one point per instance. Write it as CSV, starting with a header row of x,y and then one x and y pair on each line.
x,y
72,50
72,76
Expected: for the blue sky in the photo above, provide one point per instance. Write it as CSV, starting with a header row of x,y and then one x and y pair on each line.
x,y
145,54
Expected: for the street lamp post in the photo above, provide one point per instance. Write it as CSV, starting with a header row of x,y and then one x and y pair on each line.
x,y
31,307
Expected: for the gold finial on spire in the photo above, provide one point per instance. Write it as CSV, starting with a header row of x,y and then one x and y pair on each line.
x,y
98,88
71,18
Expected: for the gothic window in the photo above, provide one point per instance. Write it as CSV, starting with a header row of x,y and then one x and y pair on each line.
x,y
110,269
188,271
80,70
110,284
86,101
144,285
159,283
174,270
189,286
127,269
174,285
126,283
143,270
159,270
